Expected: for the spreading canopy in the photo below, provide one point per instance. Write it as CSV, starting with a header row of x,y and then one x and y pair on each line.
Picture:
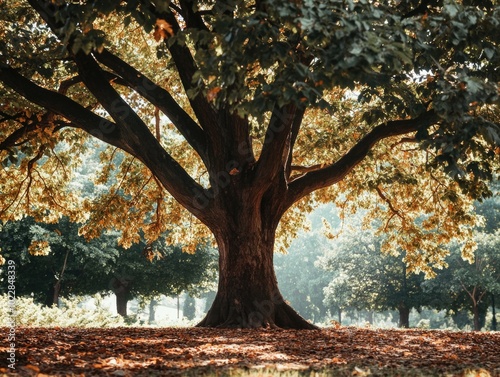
x,y
389,106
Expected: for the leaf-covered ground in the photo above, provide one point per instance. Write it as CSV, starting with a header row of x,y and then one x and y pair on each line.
x,y
196,351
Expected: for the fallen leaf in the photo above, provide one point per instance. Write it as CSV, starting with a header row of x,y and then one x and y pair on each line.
x,y
346,350
32,367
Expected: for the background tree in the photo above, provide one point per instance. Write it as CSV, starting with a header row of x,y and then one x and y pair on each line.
x,y
388,106
364,278
299,279
465,287
472,287
158,269
189,307
338,294
54,261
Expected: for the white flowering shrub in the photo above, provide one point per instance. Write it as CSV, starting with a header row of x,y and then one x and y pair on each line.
x,y
70,314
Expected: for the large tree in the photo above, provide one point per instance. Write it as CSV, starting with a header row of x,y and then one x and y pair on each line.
x,y
243,111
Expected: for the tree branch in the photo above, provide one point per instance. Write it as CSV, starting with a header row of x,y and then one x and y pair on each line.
x,y
186,66
276,150
293,138
132,135
28,124
404,140
306,169
160,98
79,116
138,137
193,19
421,9
13,139
138,142
391,206
68,83
335,172
152,92
471,294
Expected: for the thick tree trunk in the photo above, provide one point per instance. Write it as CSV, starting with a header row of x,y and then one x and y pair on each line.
x,y
248,294
483,311
404,316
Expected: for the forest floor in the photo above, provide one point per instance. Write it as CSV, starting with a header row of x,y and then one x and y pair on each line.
x,y
341,351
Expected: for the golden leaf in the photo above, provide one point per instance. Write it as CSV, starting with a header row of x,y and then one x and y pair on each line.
x,y
39,248
212,93
162,30
34,368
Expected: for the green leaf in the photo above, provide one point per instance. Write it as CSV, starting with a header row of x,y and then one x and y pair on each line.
x,y
489,52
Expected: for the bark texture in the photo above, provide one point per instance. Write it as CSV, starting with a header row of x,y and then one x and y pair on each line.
x,y
248,295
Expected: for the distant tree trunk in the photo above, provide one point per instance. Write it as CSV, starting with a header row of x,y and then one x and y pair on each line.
x,y
55,289
404,316
121,303
57,292
340,316
369,317
51,293
483,311
404,310
152,305
248,294
479,313
189,308
475,311
493,310
121,289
